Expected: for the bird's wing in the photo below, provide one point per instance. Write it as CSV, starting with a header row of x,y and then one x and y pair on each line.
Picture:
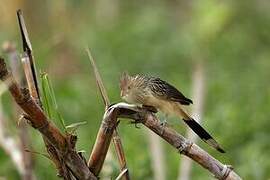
x,y
164,90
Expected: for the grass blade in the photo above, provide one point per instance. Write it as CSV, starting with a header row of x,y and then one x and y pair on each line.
x,y
49,101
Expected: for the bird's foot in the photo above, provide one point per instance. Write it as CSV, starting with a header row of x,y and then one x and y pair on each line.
x,y
136,122
164,123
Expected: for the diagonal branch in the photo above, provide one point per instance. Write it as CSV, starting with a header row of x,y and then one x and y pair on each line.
x,y
64,145
102,143
27,48
116,138
32,84
185,147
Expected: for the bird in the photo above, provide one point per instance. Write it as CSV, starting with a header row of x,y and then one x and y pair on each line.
x,y
154,92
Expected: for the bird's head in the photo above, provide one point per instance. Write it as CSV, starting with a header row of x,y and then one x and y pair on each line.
x,y
132,87
125,85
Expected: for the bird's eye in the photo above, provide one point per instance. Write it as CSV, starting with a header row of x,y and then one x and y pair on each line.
x,y
128,87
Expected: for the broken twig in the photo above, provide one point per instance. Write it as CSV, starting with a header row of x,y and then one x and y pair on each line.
x,y
64,145
116,138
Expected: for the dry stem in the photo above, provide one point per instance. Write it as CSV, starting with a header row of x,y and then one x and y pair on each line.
x,y
116,138
32,83
63,144
185,147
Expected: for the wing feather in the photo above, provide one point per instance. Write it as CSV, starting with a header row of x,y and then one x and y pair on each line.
x,y
164,90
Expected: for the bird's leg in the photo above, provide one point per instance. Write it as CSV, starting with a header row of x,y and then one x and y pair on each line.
x,y
164,122
136,122
140,117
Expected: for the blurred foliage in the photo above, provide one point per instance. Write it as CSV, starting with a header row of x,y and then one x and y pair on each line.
x,y
161,38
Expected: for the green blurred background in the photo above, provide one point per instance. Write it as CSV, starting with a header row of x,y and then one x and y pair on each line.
x,y
230,39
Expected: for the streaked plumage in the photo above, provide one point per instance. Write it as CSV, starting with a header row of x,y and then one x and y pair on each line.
x,y
152,91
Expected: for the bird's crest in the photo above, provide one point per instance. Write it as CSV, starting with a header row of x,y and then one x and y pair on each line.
x,y
124,79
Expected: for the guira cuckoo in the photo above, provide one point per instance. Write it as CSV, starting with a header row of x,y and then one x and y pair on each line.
x,y
154,92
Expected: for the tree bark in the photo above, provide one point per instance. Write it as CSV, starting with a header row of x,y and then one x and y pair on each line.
x,y
185,147
116,138
64,144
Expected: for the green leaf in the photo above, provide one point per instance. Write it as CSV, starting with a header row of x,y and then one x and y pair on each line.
x,y
45,97
49,100
61,119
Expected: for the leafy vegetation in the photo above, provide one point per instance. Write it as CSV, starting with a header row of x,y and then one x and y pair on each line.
x,y
161,38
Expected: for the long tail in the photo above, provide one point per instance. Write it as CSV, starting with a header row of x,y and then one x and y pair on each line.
x,y
199,130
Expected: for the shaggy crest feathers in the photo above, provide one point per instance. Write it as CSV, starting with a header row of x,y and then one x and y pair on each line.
x,y
127,81
124,79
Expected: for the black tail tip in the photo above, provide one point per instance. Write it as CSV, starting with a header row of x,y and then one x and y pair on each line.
x,y
189,100
221,150
186,101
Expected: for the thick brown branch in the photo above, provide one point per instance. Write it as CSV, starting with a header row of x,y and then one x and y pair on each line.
x,y
32,84
61,168
187,148
37,118
116,138
28,62
184,146
103,140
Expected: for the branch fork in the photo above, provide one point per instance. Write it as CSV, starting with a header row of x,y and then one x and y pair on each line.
x,y
148,119
110,119
63,145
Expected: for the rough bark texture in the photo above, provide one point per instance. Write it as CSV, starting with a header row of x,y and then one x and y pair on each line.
x,y
63,144
116,138
103,140
28,63
184,146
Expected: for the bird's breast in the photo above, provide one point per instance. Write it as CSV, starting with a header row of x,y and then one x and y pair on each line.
x,y
130,99
162,105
